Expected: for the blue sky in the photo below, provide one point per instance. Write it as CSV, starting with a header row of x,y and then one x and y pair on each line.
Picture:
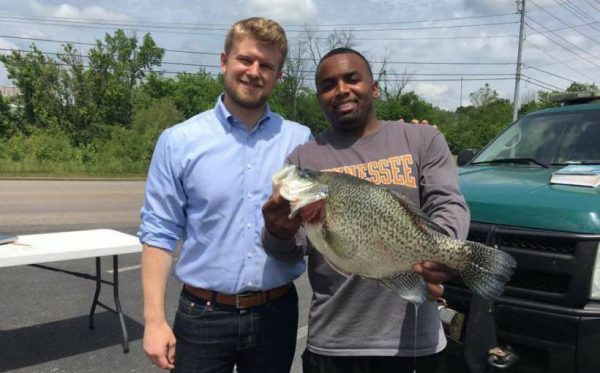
x,y
434,43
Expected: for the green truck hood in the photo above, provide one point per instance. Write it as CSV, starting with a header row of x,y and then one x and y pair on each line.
x,y
522,196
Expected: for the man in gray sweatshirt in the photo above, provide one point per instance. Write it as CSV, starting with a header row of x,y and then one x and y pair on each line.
x,y
356,325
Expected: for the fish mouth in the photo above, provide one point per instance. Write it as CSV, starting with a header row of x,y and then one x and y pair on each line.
x,y
299,187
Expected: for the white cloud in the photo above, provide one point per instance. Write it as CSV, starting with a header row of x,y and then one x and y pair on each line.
x,y
433,92
69,11
292,11
5,44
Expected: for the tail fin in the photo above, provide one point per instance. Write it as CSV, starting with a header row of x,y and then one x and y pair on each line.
x,y
487,271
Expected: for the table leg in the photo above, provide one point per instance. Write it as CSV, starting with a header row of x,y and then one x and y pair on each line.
x,y
118,303
118,310
96,294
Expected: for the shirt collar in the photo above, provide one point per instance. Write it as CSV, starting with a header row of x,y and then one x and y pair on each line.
x,y
229,121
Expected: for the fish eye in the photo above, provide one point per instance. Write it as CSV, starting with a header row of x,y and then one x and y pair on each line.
x,y
307,174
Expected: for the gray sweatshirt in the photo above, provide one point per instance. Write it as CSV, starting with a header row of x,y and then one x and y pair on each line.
x,y
351,316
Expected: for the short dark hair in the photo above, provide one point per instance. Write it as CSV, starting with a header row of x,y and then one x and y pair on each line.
x,y
344,50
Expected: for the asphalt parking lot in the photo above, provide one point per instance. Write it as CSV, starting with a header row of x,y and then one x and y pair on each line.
x,y
44,313
44,319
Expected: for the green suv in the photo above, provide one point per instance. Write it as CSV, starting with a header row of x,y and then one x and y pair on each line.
x,y
548,319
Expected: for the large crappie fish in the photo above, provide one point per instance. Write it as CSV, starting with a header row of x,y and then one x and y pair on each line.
x,y
364,229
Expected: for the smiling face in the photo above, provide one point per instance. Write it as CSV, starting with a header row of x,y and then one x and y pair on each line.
x,y
251,70
346,92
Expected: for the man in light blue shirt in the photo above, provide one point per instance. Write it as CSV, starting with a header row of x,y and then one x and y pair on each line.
x,y
207,182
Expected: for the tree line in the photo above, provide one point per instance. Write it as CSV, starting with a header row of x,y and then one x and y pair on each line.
x,y
101,114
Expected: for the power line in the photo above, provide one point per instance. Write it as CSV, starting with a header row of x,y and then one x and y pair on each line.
x,y
582,17
560,37
563,22
204,72
415,21
559,60
226,26
582,12
542,82
309,73
549,73
562,46
305,59
592,5
218,53
539,85
169,29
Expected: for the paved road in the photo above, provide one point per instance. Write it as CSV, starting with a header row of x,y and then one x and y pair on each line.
x,y
43,317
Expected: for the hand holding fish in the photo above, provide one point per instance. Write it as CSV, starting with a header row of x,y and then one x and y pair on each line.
x,y
434,274
276,212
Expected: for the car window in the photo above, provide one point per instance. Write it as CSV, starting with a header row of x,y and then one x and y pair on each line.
x,y
580,143
572,137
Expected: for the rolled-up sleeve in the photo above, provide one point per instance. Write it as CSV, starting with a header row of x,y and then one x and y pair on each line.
x,y
163,213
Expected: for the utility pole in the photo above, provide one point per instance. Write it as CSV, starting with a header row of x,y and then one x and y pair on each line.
x,y
461,81
521,9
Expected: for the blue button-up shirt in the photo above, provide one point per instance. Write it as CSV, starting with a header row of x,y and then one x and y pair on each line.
x,y
207,182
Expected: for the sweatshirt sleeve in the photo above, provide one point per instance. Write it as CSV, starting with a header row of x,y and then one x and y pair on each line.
x,y
440,195
290,250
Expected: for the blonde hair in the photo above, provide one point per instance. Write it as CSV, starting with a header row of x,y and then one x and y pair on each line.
x,y
266,31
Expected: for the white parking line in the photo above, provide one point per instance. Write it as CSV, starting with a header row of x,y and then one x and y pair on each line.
x,y
124,269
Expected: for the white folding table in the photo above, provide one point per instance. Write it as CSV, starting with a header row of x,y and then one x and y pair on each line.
x,y
52,247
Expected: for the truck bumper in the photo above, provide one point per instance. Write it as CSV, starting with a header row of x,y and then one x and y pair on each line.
x,y
546,338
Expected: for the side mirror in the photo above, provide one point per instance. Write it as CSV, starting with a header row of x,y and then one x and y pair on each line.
x,y
465,156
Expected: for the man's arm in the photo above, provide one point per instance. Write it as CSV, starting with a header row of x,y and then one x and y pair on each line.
x,y
159,340
280,236
441,198
442,201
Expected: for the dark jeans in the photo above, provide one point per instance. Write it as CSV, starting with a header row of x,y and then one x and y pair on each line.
x,y
315,363
255,340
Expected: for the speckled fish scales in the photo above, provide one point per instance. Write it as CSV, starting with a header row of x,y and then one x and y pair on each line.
x,y
369,231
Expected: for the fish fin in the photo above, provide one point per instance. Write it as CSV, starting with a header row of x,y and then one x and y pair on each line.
x,y
335,268
487,270
421,216
408,285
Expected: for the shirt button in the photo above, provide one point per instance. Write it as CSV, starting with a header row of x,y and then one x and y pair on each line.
x,y
249,255
249,195
249,226
249,166
249,282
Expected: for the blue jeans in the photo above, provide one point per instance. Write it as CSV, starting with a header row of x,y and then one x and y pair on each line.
x,y
260,339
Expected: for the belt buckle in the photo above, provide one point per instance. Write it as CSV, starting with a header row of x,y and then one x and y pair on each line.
x,y
237,299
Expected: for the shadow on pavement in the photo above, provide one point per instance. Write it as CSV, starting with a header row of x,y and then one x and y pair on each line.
x,y
41,343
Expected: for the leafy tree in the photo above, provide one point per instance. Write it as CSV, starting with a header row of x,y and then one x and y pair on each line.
x,y
37,78
137,143
116,66
194,93
7,121
78,99
580,87
483,96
